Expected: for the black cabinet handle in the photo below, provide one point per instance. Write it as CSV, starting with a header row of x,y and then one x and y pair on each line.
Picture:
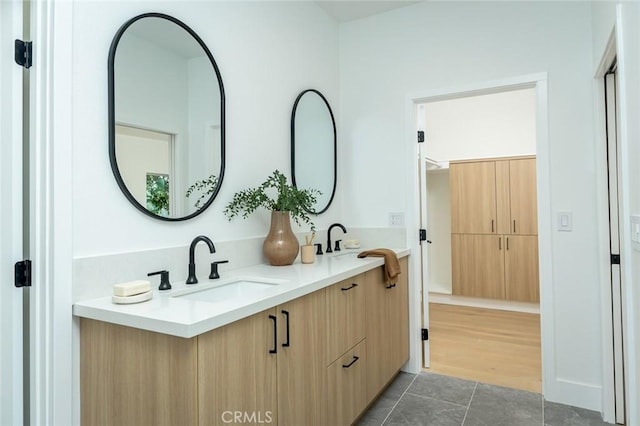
x,y
350,287
287,343
391,286
353,361
275,335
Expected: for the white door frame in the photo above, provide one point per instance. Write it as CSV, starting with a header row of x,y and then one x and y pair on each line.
x,y
539,81
11,223
53,379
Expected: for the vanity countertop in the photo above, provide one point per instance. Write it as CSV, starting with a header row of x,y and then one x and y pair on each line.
x,y
178,316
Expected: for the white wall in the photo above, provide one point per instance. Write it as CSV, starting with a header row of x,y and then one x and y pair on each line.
x,y
267,52
494,125
440,45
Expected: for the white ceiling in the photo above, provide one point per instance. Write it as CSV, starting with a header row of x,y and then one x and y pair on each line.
x,y
344,11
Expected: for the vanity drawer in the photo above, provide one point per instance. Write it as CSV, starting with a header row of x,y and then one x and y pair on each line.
x,y
345,316
347,386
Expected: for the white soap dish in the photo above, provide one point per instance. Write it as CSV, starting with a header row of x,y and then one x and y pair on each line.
x,y
352,244
136,298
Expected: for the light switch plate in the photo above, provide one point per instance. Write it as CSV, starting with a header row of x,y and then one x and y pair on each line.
x,y
565,221
635,232
396,219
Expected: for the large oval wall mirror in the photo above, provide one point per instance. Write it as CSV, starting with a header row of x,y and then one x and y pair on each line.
x,y
313,147
166,117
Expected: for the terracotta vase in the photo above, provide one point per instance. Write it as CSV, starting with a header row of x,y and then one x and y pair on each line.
x,y
281,246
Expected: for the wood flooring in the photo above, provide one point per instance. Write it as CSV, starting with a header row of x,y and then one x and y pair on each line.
x,y
489,346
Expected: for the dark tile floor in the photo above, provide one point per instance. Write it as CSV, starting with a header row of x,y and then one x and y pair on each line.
x,y
435,400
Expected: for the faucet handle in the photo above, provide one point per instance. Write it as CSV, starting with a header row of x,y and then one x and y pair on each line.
x,y
164,279
318,248
337,247
214,275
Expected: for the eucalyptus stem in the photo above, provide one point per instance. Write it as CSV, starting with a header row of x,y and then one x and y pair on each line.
x,y
298,202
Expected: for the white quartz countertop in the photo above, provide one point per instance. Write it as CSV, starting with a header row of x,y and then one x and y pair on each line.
x,y
170,314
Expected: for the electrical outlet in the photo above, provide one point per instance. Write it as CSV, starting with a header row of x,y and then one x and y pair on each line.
x,y
396,219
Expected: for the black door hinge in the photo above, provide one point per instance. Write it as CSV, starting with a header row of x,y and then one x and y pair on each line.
x,y
24,53
420,136
423,235
615,259
425,334
23,273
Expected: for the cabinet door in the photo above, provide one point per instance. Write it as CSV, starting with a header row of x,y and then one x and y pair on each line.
x,y
521,268
136,377
477,263
473,197
386,328
302,370
523,197
345,316
347,386
237,372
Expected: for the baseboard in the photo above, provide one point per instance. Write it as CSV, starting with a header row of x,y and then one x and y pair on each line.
x,y
503,305
577,394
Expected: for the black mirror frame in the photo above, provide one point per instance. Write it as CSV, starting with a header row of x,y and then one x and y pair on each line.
x,y
112,123
335,147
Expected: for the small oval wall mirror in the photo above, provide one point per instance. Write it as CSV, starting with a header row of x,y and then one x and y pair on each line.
x,y
166,117
313,147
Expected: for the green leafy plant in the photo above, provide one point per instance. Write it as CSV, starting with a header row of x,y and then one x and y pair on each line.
x,y
207,186
274,194
158,194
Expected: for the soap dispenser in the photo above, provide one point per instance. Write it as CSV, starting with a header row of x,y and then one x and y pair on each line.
x,y
164,279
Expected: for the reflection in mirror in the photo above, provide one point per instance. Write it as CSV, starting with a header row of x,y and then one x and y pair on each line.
x,y
313,147
166,117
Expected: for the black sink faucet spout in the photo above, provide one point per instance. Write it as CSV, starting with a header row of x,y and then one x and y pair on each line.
x,y
192,279
337,248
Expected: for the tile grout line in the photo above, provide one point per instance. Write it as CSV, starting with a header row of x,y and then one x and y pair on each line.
x,y
398,401
469,405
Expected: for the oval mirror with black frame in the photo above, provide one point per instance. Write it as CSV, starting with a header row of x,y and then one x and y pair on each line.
x,y
313,147
166,117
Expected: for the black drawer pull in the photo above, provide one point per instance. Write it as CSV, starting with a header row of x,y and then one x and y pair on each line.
x,y
353,361
350,287
391,286
287,343
275,335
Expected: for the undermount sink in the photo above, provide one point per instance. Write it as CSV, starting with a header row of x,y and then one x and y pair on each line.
x,y
240,288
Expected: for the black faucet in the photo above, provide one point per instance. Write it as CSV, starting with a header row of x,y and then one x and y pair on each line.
x,y
337,248
192,279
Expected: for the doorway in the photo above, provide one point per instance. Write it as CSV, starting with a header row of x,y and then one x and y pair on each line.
x,y
617,298
537,88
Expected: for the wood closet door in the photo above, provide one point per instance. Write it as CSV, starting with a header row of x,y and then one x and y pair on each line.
x,y
473,197
521,268
523,197
478,265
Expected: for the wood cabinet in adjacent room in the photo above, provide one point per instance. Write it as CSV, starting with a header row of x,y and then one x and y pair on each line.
x,y
494,228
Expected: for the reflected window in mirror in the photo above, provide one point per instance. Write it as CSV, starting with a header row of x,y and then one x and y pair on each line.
x,y
313,147
166,117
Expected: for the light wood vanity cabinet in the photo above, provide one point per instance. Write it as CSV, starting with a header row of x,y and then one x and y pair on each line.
x,y
387,328
278,378
347,396
494,228
345,316
136,377
302,380
316,360
237,371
